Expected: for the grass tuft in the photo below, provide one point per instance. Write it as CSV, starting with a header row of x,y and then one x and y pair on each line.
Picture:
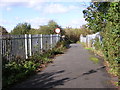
x,y
94,59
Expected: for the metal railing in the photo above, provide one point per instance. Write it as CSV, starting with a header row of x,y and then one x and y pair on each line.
x,y
23,46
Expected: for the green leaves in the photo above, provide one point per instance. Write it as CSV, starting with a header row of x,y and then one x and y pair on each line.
x,y
21,28
49,28
104,17
15,71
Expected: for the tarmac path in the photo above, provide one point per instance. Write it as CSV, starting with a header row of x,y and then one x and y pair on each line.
x,y
73,69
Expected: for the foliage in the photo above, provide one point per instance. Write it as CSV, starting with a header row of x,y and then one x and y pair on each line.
x,y
104,17
34,31
50,28
95,14
13,71
18,70
3,31
25,28
73,34
21,28
97,44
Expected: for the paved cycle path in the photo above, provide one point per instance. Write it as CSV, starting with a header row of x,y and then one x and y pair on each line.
x,y
73,69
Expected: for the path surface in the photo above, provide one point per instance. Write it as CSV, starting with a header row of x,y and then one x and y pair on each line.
x,y
74,69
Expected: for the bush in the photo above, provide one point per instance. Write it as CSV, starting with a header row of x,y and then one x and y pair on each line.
x,y
73,34
18,70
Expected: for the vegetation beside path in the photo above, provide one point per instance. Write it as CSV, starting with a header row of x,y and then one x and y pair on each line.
x,y
109,69
20,69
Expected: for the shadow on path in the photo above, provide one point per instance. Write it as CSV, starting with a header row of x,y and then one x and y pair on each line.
x,y
93,71
47,80
44,80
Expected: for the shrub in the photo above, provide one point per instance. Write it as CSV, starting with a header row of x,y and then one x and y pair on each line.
x,y
18,70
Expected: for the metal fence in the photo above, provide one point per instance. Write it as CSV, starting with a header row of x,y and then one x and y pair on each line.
x,y
89,40
23,46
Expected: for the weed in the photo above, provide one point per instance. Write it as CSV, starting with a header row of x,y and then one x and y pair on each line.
x,y
94,59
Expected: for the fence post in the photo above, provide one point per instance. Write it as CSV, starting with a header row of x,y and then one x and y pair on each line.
x,y
26,52
30,44
41,43
57,38
1,62
81,38
1,47
51,41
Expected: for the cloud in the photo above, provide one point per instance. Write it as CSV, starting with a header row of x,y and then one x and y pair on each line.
x,y
5,3
36,22
2,22
39,5
8,8
55,8
58,8
76,23
9,25
32,3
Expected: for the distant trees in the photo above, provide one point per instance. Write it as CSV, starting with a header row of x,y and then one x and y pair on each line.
x,y
3,31
50,28
73,34
25,28
21,28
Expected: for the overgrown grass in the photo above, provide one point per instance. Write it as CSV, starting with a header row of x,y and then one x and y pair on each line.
x,y
20,69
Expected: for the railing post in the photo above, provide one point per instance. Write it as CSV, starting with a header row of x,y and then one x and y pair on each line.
x,y
26,47
57,38
30,44
1,62
41,43
51,41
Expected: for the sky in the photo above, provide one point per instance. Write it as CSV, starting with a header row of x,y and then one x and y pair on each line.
x,y
67,13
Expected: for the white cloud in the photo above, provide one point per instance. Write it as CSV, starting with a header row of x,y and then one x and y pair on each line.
x,y
17,18
8,8
39,5
58,8
76,23
55,8
2,22
33,3
36,22
9,25
4,3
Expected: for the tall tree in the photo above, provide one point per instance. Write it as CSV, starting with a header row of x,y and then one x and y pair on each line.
x,y
95,14
21,28
50,28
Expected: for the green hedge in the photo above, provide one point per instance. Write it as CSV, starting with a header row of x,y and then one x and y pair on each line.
x,y
105,18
